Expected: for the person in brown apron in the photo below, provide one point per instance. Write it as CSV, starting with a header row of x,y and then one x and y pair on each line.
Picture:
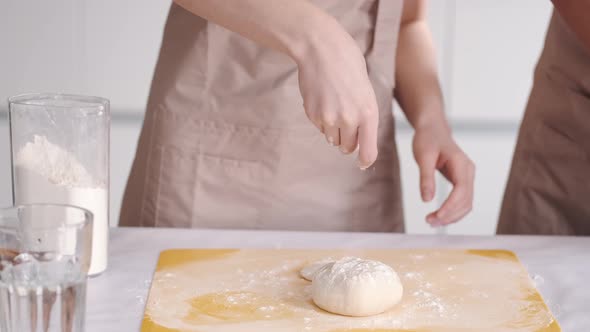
x,y
548,190
236,124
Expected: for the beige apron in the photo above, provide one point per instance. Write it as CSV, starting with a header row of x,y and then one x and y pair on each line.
x,y
226,143
548,191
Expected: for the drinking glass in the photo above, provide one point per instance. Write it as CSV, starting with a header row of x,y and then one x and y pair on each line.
x,y
45,252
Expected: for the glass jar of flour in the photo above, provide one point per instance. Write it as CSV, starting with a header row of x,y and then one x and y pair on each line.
x,y
60,154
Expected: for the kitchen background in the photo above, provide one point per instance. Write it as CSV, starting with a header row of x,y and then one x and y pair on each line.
x,y
487,50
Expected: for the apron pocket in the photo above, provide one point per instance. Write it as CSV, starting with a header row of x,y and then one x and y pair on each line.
x,y
230,193
175,189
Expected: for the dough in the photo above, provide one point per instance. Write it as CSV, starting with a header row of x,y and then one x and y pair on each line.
x,y
309,271
356,287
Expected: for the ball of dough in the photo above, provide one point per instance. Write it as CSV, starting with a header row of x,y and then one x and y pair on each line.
x,y
309,271
356,287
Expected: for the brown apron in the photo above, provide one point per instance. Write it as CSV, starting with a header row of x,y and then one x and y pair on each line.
x,y
226,142
548,190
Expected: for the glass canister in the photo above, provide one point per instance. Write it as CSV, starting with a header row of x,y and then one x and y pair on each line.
x,y
60,155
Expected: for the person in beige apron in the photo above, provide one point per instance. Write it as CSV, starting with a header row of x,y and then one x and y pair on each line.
x,y
548,190
236,125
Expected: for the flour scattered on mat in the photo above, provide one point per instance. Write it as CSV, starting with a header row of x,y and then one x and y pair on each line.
x,y
252,290
413,275
274,301
430,301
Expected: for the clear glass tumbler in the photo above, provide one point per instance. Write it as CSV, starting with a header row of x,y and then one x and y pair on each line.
x,y
45,253
60,155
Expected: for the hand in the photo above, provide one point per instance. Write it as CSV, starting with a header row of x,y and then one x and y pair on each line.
x,y
435,149
339,98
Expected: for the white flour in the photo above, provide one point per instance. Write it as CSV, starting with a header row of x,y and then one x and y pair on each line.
x,y
46,173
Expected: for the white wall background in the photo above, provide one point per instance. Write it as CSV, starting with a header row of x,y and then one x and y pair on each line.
x,y
487,52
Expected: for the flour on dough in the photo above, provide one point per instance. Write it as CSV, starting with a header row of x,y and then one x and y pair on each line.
x,y
310,270
356,287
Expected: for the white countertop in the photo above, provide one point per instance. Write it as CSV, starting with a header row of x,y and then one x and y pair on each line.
x,y
560,266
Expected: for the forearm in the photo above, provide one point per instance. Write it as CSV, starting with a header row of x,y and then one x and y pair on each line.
x,y
291,27
417,87
575,13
